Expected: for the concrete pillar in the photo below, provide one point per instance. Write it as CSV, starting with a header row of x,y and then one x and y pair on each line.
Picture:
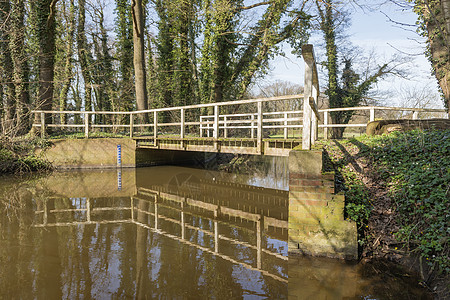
x,y
316,215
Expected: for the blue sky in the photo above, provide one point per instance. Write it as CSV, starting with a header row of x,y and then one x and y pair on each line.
x,y
373,31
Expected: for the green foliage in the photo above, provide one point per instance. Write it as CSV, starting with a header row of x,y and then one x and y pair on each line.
x,y
357,199
17,156
416,165
416,169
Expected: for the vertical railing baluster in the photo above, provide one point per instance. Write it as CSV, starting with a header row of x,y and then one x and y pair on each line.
x,y
372,114
225,129
131,125
259,133
182,129
86,125
285,126
42,125
252,123
216,127
155,127
201,126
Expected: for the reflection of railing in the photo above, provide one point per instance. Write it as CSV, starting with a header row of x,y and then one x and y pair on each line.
x,y
133,213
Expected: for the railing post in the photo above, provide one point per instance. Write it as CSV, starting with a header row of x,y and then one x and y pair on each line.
x,y
86,125
251,127
131,124
314,118
155,126
372,114
182,129
259,132
201,126
216,122
325,122
225,129
216,127
415,115
307,110
42,125
285,126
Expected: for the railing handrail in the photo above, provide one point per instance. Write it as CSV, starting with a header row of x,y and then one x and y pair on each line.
x,y
394,108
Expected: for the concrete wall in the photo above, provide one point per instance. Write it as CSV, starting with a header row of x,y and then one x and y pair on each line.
x,y
316,214
102,153
90,153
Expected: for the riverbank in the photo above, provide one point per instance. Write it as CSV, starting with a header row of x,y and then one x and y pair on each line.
x,y
397,190
17,155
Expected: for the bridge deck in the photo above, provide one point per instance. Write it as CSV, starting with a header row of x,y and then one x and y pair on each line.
x,y
273,147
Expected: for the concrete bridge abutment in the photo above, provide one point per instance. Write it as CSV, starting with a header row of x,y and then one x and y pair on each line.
x,y
316,214
103,153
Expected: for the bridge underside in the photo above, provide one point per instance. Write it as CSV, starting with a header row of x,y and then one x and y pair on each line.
x,y
271,147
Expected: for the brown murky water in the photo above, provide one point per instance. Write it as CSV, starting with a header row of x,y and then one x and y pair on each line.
x,y
165,233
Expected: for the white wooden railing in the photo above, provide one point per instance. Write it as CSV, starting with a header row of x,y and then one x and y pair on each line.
x,y
249,119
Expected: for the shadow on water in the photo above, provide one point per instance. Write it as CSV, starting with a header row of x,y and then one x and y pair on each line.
x,y
161,232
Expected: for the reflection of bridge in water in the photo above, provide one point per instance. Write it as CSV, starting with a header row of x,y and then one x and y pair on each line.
x,y
198,213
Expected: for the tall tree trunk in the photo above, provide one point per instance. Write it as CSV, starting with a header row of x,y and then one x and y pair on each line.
x,y
68,66
6,68
45,18
139,57
21,68
83,55
125,54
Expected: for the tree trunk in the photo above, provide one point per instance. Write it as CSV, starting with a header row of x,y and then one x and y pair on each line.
x,y
437,23
139,57
45,12
83,54
21,69
67,79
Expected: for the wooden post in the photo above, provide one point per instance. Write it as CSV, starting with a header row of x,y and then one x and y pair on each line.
x,y
182,129
216,122
216,127
325,122
131,125
307,111
415,115
42,125
285,126
86,125
372,114
314,118
259,129
155,127
251,127
201,126
225,129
